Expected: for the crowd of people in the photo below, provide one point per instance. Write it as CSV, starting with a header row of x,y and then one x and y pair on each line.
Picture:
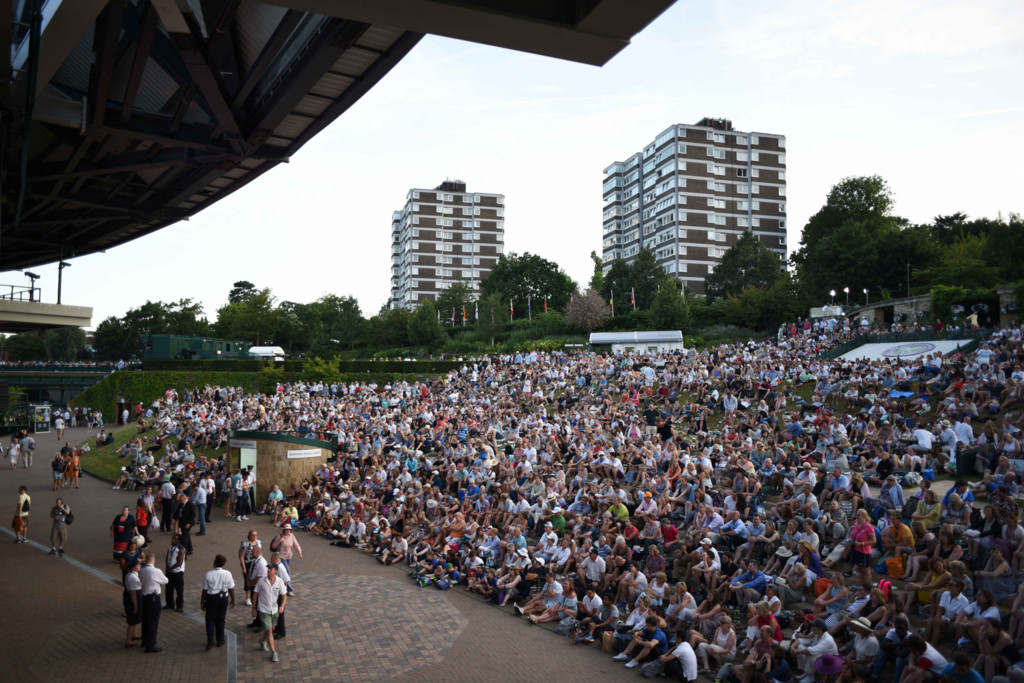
x,y
755,511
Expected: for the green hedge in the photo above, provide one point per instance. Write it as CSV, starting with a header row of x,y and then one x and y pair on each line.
x,y
423,367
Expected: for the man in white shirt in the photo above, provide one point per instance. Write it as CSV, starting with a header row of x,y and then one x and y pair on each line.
x,y
271,596
151,579
593,566
167,501
808,650
951,603
218,592
964,432
682,661
176,574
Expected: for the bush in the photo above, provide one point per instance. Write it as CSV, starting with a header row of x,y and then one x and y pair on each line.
x,y
297,366
728,334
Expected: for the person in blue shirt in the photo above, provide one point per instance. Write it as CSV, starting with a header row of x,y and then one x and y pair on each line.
x,y
962,489
734,531
650,641
960,670
748,586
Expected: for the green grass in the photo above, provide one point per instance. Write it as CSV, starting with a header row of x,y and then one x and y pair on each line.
x,y
106,463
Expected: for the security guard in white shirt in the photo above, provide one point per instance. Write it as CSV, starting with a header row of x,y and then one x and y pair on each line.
x,y
218,591
152,579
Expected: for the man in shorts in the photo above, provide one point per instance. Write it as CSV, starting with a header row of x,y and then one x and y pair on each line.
x,y
266,609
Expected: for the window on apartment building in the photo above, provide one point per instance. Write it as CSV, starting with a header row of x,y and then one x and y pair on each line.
x,y
782,207
415,245
741,139
415,195
782,191
782,158
757,206
415,232
782,175
742,156
742,222
415,258
782,143
754,173
754,139
755,189
756,222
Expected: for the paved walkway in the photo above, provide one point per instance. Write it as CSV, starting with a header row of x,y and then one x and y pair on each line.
x,y
352,619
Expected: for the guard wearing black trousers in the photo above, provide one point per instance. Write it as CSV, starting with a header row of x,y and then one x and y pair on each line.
x,y
218,592
151,579
188,517
176,575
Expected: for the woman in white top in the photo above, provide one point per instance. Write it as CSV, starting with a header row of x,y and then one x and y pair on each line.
x,y
722,646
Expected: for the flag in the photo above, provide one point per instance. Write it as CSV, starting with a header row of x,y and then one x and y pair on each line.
x,y
463,316
611,302
632,298
545,304
476,311
570,300
511,310
453,317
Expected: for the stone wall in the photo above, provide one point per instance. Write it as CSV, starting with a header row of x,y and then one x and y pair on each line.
x,y
273,466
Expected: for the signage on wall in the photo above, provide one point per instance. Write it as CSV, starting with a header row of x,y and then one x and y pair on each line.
x,y
304,453
242,443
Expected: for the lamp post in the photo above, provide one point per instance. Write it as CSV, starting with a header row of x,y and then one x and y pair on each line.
x,y
832,293
847,290
865,296
60,276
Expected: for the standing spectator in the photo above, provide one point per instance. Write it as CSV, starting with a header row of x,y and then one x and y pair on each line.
x,y
21,512
286,543
280,629
176,574
131,598
58,424
188,515
59,513
266,608
218,591
167,501
13,451
246,558
122,530
151,579
28,449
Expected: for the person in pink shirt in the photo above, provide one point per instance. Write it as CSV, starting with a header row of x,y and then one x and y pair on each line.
x,y
285,543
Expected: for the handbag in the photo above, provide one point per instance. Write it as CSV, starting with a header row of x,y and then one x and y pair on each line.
x,y
69,518
894,566
653,669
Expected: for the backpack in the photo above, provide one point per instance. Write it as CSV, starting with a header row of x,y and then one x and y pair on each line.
x,y
654,669
26,506
566,626
885,585
822,585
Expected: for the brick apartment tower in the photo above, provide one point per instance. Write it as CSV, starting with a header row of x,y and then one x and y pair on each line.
x,y
691,193
441,237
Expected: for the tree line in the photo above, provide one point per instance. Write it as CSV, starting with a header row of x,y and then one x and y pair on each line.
x,y
853,241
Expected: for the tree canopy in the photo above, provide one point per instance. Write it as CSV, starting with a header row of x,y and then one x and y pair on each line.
x,y
518,278
748,263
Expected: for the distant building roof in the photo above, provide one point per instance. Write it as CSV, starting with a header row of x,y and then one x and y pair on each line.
x,y
636,337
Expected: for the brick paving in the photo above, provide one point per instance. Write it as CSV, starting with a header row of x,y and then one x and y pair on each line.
x,y
352,619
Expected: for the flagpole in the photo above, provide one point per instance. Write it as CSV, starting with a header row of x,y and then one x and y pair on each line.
x,y
529,310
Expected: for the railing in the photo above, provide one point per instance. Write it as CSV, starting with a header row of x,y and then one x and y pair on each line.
x,y
897,337
21,293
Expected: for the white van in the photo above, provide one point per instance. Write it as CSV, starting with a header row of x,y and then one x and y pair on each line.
x,y
266,353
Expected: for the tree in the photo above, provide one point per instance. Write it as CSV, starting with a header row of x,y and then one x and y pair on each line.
x,y
251,319
389,329
25,346
424,328
641,278
493,313
1004,247
748,263
113,340
518,278
853,198
64,343
597,279
240,291
457,298
669,310
588,312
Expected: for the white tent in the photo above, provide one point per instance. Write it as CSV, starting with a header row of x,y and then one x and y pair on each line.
x,y
643,342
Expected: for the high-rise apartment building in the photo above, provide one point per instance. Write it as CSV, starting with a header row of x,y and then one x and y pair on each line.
x,y
442,237
691,193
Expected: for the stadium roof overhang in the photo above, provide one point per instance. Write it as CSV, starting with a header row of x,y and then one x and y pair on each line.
x,y
144,112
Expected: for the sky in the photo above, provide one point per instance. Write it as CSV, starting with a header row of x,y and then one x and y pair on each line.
x,y
929,95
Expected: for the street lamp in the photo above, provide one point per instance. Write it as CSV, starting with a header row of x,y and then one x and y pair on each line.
x,y
847,290
865,296
832,293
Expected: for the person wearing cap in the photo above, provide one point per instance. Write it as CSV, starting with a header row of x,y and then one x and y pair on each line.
x,y
808,648
862,650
